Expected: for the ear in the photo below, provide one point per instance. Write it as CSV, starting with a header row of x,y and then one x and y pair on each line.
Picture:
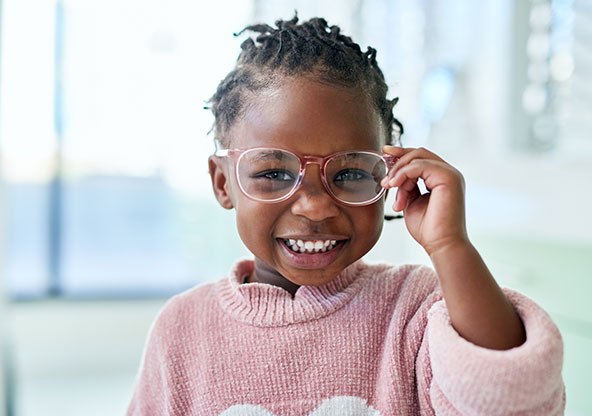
x,y
220,182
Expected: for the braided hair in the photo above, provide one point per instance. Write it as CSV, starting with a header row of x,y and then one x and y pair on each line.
x,y
311,48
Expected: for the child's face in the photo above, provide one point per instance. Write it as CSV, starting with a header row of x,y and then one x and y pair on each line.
x,y
309,118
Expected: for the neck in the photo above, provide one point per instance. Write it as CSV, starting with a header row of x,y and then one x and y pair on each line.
x,y
265,274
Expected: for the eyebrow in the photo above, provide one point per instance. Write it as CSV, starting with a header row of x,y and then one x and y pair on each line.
x,y
354,156
268,154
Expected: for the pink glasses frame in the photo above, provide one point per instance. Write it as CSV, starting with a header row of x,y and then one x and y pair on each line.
x,y
237,154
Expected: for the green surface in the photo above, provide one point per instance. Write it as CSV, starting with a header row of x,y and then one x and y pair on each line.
x,y
555,274
557,277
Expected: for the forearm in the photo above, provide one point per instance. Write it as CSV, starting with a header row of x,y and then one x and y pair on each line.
x,y
478,308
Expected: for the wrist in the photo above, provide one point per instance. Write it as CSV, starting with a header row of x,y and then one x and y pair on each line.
x,y
442,248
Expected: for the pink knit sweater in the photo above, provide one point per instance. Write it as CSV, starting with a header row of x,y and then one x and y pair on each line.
x,y
377,340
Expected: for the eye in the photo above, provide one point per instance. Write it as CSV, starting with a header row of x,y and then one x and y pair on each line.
x,y
275,175
349,175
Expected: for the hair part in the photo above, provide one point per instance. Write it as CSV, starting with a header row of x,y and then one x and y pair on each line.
x,y
312,49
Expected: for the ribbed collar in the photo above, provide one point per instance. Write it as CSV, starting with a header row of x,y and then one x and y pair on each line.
x,y
265,305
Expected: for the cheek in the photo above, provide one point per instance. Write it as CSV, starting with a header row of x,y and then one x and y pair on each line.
x,y
378,218
254,222
369,222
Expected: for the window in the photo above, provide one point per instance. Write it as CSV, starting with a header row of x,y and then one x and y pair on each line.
x,y
104,138
552,76
104,144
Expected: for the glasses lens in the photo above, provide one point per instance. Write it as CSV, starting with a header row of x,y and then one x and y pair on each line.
x,y
355,177
268,174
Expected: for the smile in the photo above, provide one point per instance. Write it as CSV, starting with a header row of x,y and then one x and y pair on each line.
x,y
311,253
310,246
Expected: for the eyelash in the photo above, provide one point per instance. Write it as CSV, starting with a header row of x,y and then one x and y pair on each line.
x,y
361,174
266,174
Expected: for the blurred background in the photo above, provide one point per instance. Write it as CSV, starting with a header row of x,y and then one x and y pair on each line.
x,y
106,204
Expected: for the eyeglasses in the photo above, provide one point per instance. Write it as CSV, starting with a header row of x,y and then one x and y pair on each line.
x,y
272,175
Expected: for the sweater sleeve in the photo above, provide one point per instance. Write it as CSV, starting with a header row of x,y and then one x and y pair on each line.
x,y
462,378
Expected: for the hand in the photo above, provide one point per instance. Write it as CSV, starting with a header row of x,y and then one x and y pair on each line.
x,y
435,219
478,308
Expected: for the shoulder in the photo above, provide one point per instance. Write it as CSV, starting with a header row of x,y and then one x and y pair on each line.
x,y
407,290
402,295
184,311
411,279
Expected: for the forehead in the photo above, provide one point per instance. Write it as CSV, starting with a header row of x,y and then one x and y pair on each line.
x,y
308,117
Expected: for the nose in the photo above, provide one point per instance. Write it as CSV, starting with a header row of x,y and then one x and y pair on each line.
x,y
311,199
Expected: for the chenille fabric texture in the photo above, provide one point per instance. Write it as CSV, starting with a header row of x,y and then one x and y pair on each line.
x,y
377,340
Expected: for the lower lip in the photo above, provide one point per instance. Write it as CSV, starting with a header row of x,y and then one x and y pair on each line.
x,y
311,260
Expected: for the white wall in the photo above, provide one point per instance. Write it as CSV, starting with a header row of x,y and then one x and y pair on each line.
x,y
2,299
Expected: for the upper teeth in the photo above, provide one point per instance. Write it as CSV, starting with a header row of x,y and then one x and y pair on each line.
x,y
310,246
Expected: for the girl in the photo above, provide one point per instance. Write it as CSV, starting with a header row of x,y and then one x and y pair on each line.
x,y
305,159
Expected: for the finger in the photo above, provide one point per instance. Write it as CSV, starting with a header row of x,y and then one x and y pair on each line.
x,y
418,168
405,197
433,173
389,175
404,156
400,200
407,185
396,152
413,195
419,153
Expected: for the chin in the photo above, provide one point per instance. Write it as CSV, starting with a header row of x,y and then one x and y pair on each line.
x,y
312,277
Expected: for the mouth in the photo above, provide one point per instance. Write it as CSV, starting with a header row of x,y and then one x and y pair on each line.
x,y
311,254
310,246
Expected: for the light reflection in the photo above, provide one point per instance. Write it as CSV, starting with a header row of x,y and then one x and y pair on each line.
x,y
534,98
540,16
538,72
538,45
562,66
